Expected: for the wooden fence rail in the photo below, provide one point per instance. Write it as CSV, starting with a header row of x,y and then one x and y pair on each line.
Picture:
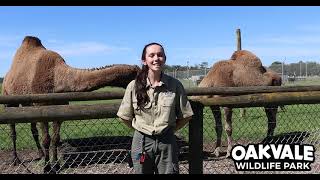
x,y
84,96
246,97
58,112
263,99
73,112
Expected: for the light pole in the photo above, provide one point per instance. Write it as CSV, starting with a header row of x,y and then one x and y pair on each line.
x,y
306,69
282,70
175,72
205,69
188,70
300,68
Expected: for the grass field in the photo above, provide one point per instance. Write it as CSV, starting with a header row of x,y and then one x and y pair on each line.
x,y
70,129
252,127
310,81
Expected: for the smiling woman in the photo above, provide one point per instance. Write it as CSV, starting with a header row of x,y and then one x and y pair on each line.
x,y
155,105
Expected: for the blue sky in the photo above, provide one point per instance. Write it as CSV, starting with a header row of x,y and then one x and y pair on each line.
x,y
89,36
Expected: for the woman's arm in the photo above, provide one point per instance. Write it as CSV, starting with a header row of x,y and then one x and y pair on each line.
x,y
182,122
128,123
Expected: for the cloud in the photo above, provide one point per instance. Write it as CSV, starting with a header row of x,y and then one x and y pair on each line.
x,y
286,51
6,55
85,48
290,40
208,53
10,41
53,41
267,54
303,45
309,28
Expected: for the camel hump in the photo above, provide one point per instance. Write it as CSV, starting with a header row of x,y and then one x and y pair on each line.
x,y
31,41
247,58
242,54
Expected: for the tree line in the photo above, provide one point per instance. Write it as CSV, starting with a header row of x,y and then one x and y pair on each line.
x,y
202,65
297,69
300,68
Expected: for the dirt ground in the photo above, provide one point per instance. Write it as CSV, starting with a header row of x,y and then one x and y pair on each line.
x,y
115,162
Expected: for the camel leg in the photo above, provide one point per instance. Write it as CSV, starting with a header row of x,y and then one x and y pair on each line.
x,y
271,112
55,142
35,135
217,116
15,160
46,146
228,129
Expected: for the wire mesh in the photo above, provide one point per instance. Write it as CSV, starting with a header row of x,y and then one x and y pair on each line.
x,y
296,124
101,146
96,146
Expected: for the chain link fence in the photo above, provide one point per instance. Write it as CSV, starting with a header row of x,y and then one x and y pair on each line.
x,y
101,146
189,78
96,146
296,124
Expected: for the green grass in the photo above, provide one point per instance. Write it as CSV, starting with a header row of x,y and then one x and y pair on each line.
x,y
104,89
252,127
187,83
310,81
70,129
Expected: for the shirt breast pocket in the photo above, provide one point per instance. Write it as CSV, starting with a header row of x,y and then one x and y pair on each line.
x,y
146,108
167,101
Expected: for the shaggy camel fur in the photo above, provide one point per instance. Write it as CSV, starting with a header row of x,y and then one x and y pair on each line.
x,y
36,70
242,69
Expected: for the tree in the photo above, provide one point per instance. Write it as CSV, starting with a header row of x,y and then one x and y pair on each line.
x,y
203,65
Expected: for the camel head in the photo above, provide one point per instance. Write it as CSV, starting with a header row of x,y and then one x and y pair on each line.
x,y
124,74
275,77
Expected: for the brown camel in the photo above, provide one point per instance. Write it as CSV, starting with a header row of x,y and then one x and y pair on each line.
x,y
36,70
242,69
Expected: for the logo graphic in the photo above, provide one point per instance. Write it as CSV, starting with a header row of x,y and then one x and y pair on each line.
x,y
273,157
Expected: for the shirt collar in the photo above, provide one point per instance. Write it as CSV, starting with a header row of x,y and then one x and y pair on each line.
x,y
163,80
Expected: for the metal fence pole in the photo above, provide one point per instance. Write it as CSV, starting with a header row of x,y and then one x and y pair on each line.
x,y
196,139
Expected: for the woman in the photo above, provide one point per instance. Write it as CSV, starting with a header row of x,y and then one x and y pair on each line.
x,y
156,106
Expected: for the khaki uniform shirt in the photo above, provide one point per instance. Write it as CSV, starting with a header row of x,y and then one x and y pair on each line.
x,y
168,102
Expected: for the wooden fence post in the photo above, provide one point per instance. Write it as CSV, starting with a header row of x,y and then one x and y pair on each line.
x,y
196,139
238,33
